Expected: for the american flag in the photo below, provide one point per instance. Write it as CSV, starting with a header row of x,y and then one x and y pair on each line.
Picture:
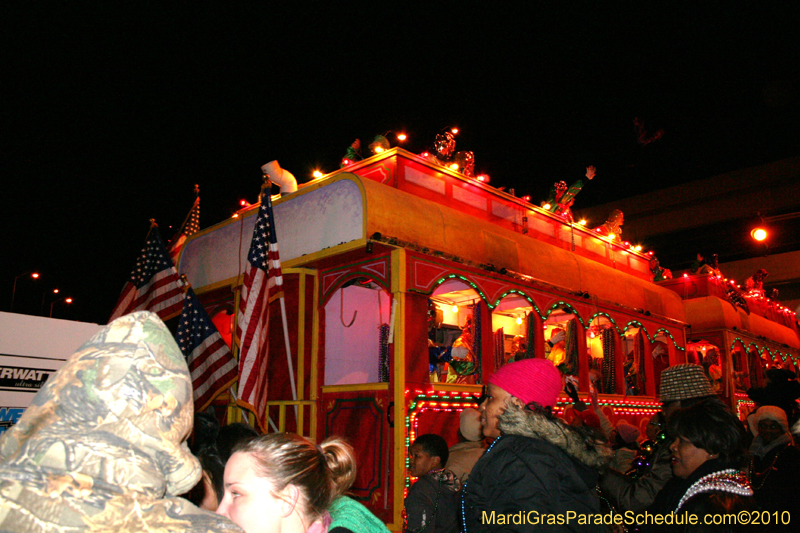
x,y
190,226
154,284
262,284
211,363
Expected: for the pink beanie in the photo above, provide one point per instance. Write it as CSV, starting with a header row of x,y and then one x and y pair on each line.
x,y
530,380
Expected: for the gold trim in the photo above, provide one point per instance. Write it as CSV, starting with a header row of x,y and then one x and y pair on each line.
x,y
398,277
452,387
327,252
301,336
217,285
355,387
314,384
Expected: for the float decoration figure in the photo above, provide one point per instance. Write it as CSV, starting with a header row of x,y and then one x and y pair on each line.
x,y
561,198
445,155
612,227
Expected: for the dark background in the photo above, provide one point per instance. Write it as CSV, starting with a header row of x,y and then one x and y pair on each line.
x,y
112,111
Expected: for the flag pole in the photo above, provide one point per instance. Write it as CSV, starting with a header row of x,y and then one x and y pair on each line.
x,y
267,184
189,214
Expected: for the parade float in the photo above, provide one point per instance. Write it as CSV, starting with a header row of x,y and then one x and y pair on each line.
x,y
408,281
736,333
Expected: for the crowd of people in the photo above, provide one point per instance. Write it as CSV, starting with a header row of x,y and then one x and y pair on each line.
x,y
108,444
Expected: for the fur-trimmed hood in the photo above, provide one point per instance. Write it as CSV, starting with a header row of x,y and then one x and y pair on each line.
x,y
572,441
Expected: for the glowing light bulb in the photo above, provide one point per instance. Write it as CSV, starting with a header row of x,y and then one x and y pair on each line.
x,y
582,222
68,300
318,174
611,236
454,166
519,320
638,248
546,206
454,131
378,149
454,309
35,275
401,137
346,162
759,234
526,198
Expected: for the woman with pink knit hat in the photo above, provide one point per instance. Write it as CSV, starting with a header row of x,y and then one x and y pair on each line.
x,y
537,464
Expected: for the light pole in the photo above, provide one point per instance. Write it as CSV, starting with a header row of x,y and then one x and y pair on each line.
x,y
34,275
44,297
65,298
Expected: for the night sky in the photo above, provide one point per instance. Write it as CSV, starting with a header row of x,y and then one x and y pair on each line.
x,y
112,111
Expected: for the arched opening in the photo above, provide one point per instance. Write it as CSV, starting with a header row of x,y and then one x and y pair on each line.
x,y
634,367
356,334
766,363
454,333
562,344
709,356
754,371
741,373
516,328
660,353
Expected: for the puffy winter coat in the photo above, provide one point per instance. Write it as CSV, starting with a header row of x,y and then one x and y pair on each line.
x,y
539,475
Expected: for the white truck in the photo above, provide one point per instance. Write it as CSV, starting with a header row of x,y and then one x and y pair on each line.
x,y
32,348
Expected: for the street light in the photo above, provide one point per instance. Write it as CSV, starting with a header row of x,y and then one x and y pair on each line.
x,y
44,297
759,234
34,275
65,298
760,228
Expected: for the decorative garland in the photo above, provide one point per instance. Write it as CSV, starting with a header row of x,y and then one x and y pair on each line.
x,y
637,370
499,348
383,360
571,348
531,338
477,344
609,369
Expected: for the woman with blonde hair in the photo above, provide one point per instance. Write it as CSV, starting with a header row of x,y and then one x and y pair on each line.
x,y
284,483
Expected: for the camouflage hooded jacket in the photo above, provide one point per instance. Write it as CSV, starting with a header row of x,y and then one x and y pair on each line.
x,y
101,448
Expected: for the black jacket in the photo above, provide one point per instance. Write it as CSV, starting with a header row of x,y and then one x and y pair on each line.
x,y
538,467
432,504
